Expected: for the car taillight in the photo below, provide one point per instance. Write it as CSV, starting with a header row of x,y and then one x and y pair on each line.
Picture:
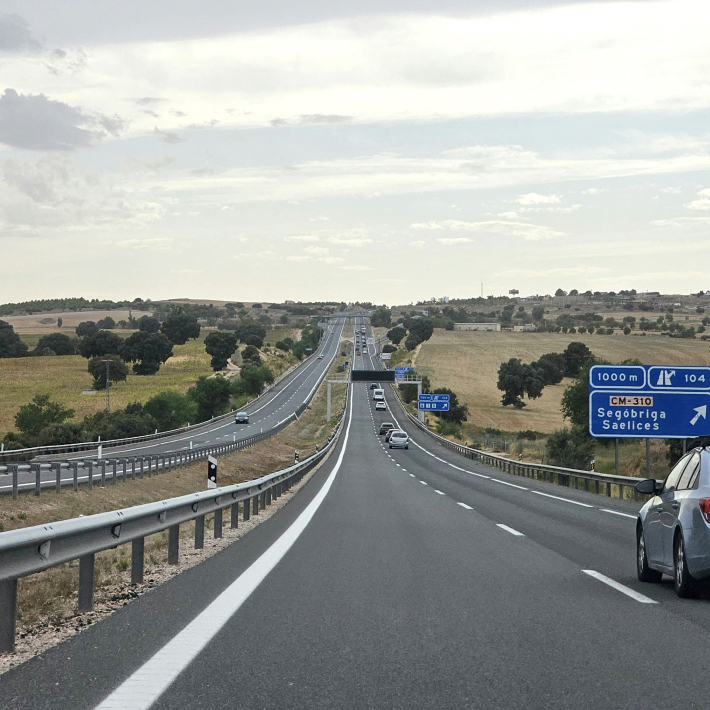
x,y
705,508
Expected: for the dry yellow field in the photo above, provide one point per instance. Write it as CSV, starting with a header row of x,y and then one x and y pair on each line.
x,y
468,362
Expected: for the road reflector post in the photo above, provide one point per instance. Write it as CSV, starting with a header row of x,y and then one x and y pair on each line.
x,y
211,472
8,614
173,544
86,582
137,560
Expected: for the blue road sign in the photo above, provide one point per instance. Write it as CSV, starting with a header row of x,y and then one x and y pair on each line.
x,y
433,402
649,401
400,372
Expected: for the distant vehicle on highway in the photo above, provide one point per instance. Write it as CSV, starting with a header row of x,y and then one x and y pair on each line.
x,y
378,394
399,439
389,433
373,386
673,527
385,427
241,417
380,405
320,357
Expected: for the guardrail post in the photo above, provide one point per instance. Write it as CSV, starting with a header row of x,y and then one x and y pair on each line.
x,y
58,479
133,468
262,502
255,505
235,515
137,560
91,474
268,496
14,481
38,478
246,509
199,532
86,582
173,544
114,471
124,466
218,523
8,614
103,473
75,474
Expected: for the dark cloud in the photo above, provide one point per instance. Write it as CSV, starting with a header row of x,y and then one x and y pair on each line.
x,y
167,137
149,101
15,35
35,122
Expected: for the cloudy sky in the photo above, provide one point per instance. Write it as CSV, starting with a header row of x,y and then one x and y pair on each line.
x,y
389,150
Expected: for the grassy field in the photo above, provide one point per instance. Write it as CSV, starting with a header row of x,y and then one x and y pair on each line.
x,y
65,377
468,363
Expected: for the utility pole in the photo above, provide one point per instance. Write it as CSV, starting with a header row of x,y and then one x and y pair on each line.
x,y
108,386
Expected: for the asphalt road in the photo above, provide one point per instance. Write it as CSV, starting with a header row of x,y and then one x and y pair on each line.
x,y
397,579
278,404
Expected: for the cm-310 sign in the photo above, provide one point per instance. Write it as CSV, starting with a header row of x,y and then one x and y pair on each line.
x,y
641,401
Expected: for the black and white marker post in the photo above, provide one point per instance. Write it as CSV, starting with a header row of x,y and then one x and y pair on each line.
x,y
211,472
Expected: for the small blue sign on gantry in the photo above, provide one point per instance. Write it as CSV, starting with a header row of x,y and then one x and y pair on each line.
x,y
649,401
433,402
400,372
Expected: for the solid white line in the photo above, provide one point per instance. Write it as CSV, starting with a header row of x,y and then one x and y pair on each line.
x,y
463,505
619,587
140,690
566,500
510,530
616,512
441,493
512,485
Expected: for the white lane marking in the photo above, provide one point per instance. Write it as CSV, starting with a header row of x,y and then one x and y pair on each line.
x,y
566,500
616,512
424,483
512,531
619,587
412,475
463,505
512,485
141,689
405,470
441,493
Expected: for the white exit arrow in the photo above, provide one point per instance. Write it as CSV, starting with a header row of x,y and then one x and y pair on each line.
x,y
701,412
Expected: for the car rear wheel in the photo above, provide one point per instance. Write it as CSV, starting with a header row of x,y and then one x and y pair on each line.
x,y
643,571
685,585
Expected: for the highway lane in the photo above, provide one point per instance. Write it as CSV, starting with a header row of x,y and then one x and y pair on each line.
x,y
278,404
413,585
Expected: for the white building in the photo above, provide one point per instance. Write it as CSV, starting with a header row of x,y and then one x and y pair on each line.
x,y
525,328
477,326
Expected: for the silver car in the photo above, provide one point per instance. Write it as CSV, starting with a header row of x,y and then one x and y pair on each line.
x,y
673,527
398,440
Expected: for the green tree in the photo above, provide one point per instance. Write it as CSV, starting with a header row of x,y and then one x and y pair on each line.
x,y
516,380
627,330
559,293
148,324
148,350
59,322
284,319
389,348
211,395
282,345
412,341
381,318
220,345
118,370
171,409
65,433
576,355
538,313
550,367
250,355
253,379
409,392
86,329
458,413
10,343
40,412
179,327
106,323
423,328
58,343
101,343
396,335
119,424
569,448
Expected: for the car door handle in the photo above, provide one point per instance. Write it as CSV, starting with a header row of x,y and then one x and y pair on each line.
x,y
675,506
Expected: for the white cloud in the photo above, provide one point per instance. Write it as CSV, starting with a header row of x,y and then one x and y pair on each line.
x,y
671,190
681,222
298,258
356,267
703,203
317,251
454,240
533,198
354,242
592,191
561,271
508,215
532,232
303,238
418,244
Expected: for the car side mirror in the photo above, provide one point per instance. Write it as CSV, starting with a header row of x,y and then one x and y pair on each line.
x,y
649,486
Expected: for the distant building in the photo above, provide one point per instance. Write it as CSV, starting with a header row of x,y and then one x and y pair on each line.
x,y
477,326
525,328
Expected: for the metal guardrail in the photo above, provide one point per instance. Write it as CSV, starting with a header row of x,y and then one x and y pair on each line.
x,y
34,451
600,483
101,471
38,548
